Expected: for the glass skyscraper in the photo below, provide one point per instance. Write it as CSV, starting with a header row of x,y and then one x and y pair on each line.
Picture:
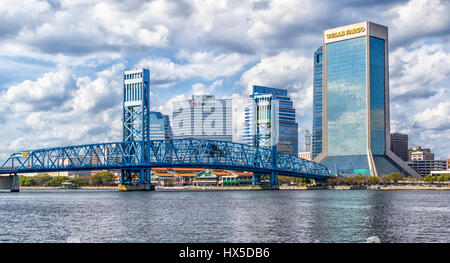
x,y
317,103
270,120
159,126
356,122
203,117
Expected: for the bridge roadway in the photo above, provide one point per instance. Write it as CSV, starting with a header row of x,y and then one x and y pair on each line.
x,y
163,153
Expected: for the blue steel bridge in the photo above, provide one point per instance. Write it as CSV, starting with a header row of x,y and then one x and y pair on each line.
x,y
140,156
137,154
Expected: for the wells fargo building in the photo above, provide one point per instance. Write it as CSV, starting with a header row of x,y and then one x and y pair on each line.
x,y
355,126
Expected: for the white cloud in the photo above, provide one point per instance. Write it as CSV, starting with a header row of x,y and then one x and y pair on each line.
x,y
419,95
48,92
416,72
91,110
436,118
206,65
102,93
286,70
418,18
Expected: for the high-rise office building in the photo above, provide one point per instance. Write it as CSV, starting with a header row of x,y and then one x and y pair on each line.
x,y
203,117
317,103
356,121
399,145
270,120
159,126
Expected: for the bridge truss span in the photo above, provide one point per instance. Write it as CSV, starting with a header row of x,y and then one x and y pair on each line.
x,y
163,153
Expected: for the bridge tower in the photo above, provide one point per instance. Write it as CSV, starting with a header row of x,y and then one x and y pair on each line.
x,y
136,123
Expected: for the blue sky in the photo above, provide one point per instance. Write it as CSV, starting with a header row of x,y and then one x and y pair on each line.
x,y
61,62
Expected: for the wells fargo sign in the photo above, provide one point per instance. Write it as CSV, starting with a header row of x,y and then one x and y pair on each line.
x,y
346,32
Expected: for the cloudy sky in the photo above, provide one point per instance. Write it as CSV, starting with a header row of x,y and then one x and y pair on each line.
x,y
61,62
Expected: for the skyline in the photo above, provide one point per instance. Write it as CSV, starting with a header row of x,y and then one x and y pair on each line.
x,y
61,74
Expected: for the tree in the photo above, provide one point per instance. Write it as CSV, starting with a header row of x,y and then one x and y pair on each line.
x,y
331,181
428,179
56,181
373,180
102,178
385,179
412,179
26,181
443,178
340,180
79,181
41,179
349,180
284,179
395,177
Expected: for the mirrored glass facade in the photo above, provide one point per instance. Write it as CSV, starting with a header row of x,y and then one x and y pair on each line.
x,y
355,92
317,103
159,126
270,120
377,89
346,97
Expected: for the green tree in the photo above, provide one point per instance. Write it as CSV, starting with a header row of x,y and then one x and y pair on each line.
x,y
56,181
340,180
284,179
442,178
41,179
385,179
331,181
79,181
102,178
395,177
412,179
26,181
428,179
371,180
349,180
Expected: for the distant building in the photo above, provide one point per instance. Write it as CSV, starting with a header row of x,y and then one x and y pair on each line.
x,y
305,155
270,120
307,141
317,103
424,167
399,145
417,153
437,173
203,117
159,126
448,164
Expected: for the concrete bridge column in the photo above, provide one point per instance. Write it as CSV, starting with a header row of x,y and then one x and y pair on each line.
x,y
9,182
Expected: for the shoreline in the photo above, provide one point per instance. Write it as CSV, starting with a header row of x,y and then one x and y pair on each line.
x,y
247,188
62,188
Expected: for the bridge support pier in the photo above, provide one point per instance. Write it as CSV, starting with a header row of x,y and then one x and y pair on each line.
x,y
135,187
265,181
135,180
10,182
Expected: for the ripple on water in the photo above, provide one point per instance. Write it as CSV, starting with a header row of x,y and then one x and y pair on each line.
x,y
225,216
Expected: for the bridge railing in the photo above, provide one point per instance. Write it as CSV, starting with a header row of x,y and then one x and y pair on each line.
x,y
154,153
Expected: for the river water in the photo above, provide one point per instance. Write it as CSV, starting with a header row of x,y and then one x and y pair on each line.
x,y
224,216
